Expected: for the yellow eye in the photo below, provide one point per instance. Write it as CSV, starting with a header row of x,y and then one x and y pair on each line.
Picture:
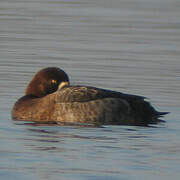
x,y
53,81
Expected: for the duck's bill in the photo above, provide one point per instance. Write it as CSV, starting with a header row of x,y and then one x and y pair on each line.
x,y
63,84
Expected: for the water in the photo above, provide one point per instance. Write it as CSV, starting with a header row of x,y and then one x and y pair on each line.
x,y
124,45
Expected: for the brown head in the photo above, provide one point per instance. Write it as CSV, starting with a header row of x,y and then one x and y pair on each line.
x,y
46,81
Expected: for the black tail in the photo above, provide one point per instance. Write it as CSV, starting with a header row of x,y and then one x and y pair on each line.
x,y
161,114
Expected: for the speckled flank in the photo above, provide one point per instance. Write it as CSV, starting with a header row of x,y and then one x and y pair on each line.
x,y
101,111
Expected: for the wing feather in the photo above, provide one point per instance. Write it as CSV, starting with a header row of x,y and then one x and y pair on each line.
x,y
87,93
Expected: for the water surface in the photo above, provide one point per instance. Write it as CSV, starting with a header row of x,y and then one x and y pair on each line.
x,y
123,45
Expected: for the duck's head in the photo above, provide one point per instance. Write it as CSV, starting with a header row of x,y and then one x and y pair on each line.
x,y
46,81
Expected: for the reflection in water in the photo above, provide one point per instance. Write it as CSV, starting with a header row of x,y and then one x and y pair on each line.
x,y
54,136
111,151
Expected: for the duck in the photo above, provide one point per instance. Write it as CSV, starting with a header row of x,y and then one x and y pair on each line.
x,y
49,98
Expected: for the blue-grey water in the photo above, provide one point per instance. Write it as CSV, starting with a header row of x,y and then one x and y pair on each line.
x,y
131,46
